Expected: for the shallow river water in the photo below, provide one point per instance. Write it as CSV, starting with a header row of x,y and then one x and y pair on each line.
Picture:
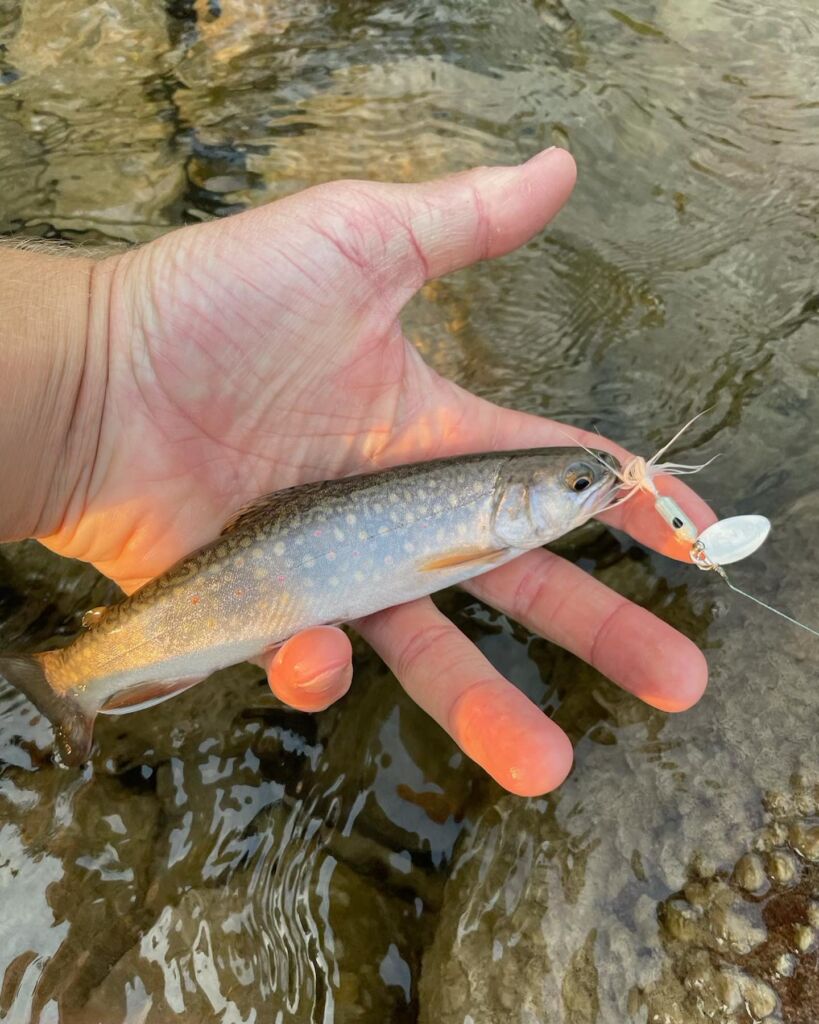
x,y
225,859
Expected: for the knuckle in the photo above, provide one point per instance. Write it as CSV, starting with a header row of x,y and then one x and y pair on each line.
x,y
422,644
530,592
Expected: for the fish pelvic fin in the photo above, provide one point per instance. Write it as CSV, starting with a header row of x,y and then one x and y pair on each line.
x,y
73,726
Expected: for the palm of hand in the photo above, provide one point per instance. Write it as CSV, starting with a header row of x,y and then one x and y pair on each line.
x,y
241,363
259,352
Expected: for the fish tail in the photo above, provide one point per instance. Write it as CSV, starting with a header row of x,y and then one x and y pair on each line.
x,y
73,726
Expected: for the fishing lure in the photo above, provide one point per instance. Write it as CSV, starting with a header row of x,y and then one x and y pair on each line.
x,y
724,542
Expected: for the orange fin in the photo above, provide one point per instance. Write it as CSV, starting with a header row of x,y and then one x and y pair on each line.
x,y
143,695
465,557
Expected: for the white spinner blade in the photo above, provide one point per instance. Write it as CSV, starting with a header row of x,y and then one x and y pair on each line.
x,y
731,540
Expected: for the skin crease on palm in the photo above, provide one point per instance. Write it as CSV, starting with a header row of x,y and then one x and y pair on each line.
x,y
240,356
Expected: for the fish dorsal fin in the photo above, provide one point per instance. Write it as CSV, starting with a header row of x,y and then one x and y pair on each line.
x,y
267,505
248,513
94,616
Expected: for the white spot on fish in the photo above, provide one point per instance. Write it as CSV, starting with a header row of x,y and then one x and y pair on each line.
x,y
278,548
238,561
351,519
330,556
409,547
394,499
338,534
383,529
388,560
309,563
358,576
377,506
453,500
334,581
409,517
260,572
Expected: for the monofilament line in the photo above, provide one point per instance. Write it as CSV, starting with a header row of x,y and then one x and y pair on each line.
x,y
769,607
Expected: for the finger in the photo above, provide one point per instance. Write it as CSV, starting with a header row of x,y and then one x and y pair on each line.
x,y
492,721
628,644
312,669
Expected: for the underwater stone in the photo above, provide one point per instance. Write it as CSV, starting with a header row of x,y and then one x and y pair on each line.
x,y
759,997
750,872
804,937
782,866
804,837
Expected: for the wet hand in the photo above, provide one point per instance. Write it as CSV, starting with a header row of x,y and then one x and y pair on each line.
x,y
245,355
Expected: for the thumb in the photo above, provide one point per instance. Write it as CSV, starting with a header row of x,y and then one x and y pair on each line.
x,y
481,213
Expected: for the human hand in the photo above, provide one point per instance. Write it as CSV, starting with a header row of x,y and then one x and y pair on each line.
x,y
244,355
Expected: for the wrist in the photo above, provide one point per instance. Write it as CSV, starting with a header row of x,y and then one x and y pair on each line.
x,y
54,356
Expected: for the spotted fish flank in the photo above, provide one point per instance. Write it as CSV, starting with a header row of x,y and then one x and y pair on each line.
x,y
318,553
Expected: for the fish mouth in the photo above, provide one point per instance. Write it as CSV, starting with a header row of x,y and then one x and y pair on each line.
x,y
600,494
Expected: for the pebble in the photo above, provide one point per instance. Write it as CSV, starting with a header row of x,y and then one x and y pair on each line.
x,y
750,872
782,867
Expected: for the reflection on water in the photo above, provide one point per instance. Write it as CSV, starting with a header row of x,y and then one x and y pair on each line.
x,y
226,859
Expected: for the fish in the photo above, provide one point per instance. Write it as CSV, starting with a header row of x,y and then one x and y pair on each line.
x,y
314,554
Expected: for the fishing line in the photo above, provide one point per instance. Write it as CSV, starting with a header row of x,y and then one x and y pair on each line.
x,y
702,561
770,607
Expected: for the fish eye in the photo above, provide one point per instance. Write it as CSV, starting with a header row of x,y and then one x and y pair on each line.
x,y
579,477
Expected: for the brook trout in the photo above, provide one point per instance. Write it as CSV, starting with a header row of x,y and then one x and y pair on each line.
x,y
310,555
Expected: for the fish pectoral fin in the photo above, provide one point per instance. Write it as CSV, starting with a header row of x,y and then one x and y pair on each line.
x,y
143,695
465,557
94,616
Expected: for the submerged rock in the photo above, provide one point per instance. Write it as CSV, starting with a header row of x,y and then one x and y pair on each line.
x,y
671,878
738,952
